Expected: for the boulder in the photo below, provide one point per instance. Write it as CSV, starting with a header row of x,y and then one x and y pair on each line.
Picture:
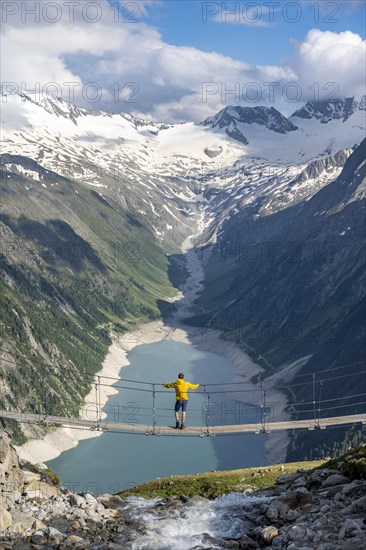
x,y
286,479
289,501
297,533
335,479
29,476
113,513
53,535
11,476
358,506
269,533
78,543
350,488
38,525
39,538
110,501
350,528
299,482
5,519
247,543
40,489
17,528
90,499
77,500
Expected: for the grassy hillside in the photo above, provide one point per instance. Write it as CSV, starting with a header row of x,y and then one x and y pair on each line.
x,y
351,463
75,269
214,484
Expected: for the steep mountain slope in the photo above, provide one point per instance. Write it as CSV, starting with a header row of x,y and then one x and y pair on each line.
x,y
332,109
82,187
290,285
176,177
234,120
75,268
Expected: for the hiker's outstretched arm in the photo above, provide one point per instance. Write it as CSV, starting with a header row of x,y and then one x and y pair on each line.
x,y
169,385
193,386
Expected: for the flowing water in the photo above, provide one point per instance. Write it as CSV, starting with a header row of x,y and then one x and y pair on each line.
x,y
187,527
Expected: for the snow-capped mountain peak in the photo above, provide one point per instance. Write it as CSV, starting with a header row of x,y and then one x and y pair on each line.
x,y
174,175
235,119
331,109
67,110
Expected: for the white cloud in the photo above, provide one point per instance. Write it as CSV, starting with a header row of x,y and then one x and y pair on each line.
x,y
167,80
328,57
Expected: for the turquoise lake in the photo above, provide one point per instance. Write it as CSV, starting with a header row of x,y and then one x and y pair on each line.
x,y
116,461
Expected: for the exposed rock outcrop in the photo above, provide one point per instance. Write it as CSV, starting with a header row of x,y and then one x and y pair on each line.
x,y
323,509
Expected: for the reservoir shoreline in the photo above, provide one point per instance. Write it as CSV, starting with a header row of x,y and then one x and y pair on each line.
x,y
63,439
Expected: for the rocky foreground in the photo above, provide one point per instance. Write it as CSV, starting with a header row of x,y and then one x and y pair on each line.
x,y
322,509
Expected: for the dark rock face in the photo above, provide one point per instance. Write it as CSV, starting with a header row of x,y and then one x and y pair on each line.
x,y
268,292
231,118
332,109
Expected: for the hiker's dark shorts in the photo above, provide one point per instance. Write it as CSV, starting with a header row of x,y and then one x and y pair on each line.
x,y
181,404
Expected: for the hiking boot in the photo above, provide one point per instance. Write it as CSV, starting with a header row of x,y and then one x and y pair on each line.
x,y
177,424
182,426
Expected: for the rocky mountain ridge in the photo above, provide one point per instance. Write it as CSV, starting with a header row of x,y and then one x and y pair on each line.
x,y
332,109
178,177
231,119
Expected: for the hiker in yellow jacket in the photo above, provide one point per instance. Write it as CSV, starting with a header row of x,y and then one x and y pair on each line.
x,y
181,387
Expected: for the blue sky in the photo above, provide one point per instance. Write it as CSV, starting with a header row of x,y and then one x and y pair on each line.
x,y
177,51
253,38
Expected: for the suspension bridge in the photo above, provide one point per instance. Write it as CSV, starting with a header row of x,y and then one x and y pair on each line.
x,y
254,410
201,431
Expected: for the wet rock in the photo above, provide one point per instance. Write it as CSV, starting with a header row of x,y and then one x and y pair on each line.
x,y
231,544
209,539
175,503
247,542
110,501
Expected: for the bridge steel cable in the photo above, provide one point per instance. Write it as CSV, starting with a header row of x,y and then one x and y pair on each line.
x,y
236,390
78,370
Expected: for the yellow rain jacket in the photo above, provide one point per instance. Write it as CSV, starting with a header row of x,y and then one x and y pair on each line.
x,y
181,387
